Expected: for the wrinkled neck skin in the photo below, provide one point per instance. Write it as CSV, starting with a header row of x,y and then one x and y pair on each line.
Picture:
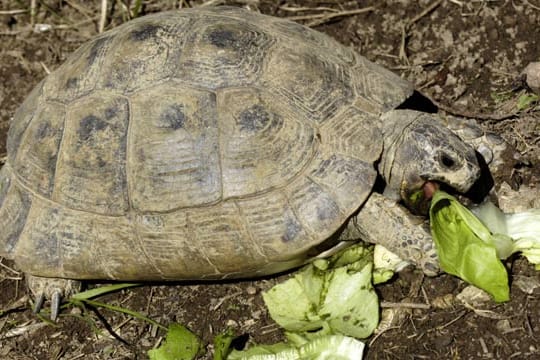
x,y
391,166
418,148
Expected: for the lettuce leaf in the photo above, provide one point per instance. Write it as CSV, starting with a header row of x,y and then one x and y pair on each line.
x,y
180,344
517,232
337,300
466,247
336,347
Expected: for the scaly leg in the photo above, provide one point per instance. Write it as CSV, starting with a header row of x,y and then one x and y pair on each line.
x,y
383,221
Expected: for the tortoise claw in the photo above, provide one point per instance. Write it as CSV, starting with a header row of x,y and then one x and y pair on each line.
x,y
51,289
38,304
56,300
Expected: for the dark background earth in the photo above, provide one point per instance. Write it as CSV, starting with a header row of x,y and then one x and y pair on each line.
x,y
465,55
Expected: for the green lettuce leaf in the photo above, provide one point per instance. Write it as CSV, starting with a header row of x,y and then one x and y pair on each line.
x,y
466,247
517,232
385,264
222,344
180,344
335,347
338,300
524,228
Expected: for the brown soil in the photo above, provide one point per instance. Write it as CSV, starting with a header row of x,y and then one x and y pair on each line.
x,y
465,55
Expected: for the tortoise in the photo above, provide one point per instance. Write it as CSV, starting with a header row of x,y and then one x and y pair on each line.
x,y
215,143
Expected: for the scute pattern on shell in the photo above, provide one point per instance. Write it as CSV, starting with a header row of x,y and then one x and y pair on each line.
x,y
205,143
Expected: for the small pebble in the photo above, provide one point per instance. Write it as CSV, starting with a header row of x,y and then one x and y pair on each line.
x,y
251,290
232,323
443,341
503,325
509,20
532,76
145,342
473,296
443,302
526,284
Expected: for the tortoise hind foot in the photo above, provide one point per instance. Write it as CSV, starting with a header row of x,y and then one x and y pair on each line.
x,y
52,289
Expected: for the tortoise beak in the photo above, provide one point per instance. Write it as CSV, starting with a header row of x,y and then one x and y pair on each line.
x,y
418,198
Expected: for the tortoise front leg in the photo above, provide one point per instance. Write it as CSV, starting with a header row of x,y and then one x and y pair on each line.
x,y
383,221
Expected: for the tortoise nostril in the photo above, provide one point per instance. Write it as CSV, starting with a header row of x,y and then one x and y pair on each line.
x,y
447,161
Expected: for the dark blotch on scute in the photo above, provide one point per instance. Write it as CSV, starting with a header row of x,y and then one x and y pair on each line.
x,y
89,125
44,130
325,213
222,38
324,165
72,83
141,156
48,249
145,32
173,117
254,118
293,228
95,50
18,221
4,186
100,162
111,112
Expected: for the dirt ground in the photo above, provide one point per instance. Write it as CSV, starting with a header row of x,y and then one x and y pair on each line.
x,y
465,55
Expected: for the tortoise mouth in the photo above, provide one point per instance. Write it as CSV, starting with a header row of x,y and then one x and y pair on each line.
x,y
418,201
429,188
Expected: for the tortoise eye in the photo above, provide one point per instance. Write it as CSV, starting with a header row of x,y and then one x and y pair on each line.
x,y
447,160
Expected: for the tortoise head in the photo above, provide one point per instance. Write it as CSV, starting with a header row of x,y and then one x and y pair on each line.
x,y
419,150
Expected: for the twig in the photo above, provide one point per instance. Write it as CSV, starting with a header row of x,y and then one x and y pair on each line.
x,y
463,313
212,3
531,5
149,301
339,14
13,12
14,33
523,142
21,330
72,26
32,13
103,16
224,298
324,17
121,325
408,305
403,45
468,114
268,329
1,264
80,8
488,314
424,12
483,346
405,29
77,357
529,327
382,332
296,9
47,70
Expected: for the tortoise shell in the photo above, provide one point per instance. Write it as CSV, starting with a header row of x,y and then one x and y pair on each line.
x,y
195,144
